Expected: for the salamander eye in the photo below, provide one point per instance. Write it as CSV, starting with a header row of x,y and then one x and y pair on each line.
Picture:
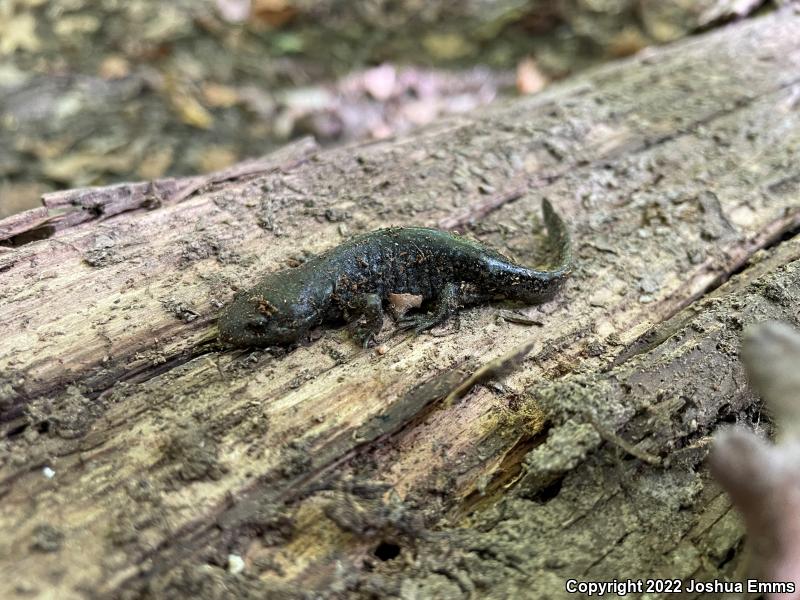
x,y
258,323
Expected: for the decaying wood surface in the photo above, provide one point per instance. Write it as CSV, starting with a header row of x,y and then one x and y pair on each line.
x,y
139,462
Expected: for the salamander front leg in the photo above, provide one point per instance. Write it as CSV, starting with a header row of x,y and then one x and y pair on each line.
x,y
447,303
369,320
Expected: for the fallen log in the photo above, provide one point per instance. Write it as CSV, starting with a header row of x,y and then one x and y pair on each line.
x,y
138,460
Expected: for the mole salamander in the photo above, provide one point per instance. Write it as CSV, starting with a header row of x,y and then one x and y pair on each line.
x,y
351,282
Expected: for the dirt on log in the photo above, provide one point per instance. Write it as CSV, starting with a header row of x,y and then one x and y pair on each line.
x,y
139,462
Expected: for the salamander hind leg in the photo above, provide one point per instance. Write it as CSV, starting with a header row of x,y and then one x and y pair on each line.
x,y
447,303
369,318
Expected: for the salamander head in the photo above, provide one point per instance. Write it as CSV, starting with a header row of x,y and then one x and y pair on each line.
x,y
256,318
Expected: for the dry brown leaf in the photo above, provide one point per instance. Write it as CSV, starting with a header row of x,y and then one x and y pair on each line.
x,y
17,197
627,42
272,12
43,149
446,46
155,164
216,158
114,66
189,108
402,303
220,96
75,168
74,26
529,78
18,33
380,82
421,112
233,11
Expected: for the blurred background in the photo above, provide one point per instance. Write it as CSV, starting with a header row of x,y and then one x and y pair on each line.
x,y
100,91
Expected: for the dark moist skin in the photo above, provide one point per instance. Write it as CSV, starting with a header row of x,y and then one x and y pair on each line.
x,y
351,282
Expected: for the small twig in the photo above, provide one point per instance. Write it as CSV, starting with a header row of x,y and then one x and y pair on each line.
x,y
613,438
513,317
494,368
22,222
479,210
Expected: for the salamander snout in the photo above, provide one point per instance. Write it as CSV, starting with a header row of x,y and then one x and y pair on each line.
x,y
253,320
